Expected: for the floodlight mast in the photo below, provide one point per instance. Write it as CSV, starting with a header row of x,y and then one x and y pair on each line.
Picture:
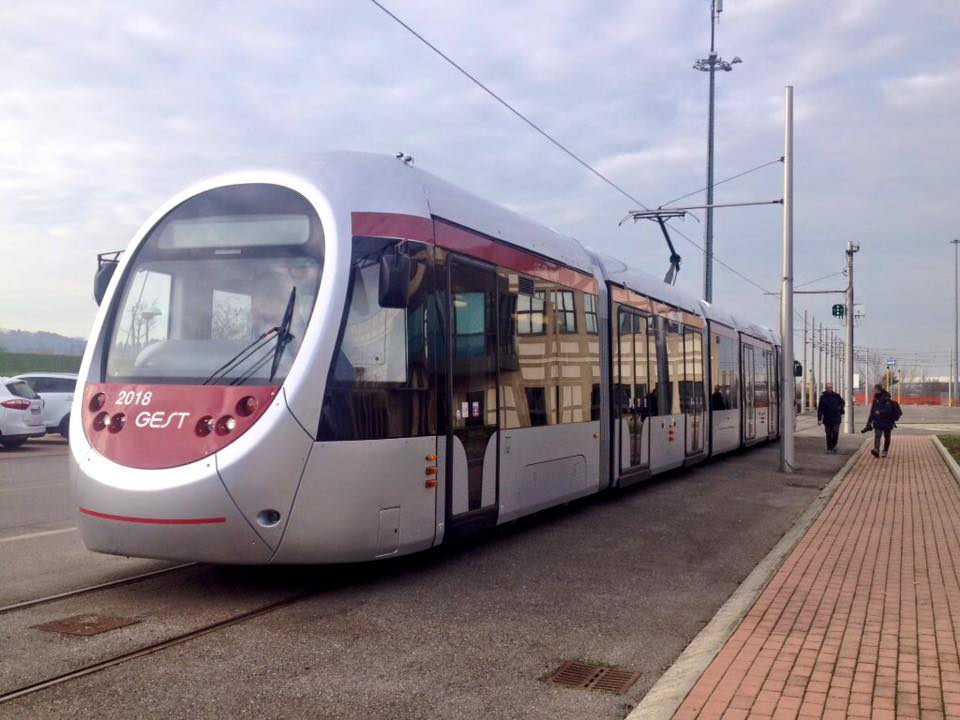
x,y
710,64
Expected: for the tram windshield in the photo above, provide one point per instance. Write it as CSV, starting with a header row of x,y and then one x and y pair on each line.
x,y
220,292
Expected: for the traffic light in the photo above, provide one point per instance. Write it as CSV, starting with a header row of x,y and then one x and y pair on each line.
x,y
839,310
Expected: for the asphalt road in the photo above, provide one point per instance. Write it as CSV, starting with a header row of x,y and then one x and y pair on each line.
x,y
627,578
40,549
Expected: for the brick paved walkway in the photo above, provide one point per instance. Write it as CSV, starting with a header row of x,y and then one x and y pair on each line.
x,y
861,620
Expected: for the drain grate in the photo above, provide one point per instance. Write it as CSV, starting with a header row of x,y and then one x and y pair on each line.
x,y
86,625
575,674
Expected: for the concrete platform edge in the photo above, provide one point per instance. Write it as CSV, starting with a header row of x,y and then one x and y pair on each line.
x,y
666,696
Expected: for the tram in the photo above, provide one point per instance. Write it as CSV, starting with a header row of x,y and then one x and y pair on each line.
x,y
352,359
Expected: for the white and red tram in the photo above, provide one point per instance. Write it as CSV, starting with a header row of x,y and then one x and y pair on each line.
x,y
354,359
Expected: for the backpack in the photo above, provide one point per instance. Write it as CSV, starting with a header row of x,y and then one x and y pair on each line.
x,y
897,412
888,410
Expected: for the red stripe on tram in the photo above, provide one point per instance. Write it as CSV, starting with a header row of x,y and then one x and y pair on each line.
x,y
153,521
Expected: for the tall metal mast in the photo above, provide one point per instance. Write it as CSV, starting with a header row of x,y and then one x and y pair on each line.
x,y
710,64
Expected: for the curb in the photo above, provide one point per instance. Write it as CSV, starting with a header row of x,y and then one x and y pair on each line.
x,y
947,458
666,696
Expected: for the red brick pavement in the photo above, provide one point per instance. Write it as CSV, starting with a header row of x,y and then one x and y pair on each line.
x,y
861,620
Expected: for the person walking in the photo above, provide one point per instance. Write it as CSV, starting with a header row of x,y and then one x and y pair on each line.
x,y
830,409
884,413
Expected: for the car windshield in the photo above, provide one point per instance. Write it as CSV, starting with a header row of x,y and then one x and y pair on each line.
x,y
207,291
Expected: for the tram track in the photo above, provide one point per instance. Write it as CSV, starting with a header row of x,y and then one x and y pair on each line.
x,y
152,648
23,605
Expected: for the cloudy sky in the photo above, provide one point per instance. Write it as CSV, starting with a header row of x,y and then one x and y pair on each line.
x,y
108,108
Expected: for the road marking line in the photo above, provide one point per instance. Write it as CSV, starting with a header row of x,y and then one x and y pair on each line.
x,y
37,534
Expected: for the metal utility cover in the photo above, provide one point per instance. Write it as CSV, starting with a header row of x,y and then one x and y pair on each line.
x,y
575,674
86,625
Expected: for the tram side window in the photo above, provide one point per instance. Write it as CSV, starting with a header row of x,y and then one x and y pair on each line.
x,y
724,374
692,384
547,377
379,382
762,381
655,396
673,341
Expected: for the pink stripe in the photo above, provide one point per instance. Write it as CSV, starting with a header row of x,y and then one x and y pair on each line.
x,y
154,521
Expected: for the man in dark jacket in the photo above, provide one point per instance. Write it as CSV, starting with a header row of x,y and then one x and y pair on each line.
x,y
829,412
884,413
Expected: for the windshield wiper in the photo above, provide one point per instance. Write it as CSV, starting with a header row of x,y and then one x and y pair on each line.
x,y
255,345
284,336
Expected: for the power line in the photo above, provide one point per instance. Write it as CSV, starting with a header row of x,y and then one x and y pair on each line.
x,y
552,140
721,182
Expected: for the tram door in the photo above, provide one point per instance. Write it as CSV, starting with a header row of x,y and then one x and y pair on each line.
x,y
473,412
693,383
749,394
633,390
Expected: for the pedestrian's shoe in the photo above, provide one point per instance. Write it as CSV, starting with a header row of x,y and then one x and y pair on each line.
x,y
875,453
884,453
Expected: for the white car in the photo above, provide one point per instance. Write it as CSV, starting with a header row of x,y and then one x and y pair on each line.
x,y
56,390
20,413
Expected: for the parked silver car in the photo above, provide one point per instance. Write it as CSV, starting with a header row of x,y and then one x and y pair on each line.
x,y
20,413
56,390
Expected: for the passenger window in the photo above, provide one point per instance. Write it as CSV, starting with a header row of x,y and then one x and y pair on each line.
x,y
548,372
673,337
379,385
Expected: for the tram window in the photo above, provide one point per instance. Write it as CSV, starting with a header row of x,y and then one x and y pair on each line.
x,y
590,313
729,372
379,383
692,396
762,382
564,311
537,404
673,340
144,320
530,314
653,369
232,316
547,376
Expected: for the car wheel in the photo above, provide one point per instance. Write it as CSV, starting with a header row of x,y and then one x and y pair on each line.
x,y
64,428
12,442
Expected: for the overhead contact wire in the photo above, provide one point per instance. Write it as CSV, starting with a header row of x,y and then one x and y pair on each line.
x,y
553,140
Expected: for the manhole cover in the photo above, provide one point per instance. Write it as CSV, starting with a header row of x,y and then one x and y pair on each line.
x,y
593,677
86,625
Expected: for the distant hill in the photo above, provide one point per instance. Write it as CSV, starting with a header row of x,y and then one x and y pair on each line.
x,y
23,341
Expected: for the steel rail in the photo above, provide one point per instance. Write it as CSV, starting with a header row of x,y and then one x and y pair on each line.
x,y
150,649
91,588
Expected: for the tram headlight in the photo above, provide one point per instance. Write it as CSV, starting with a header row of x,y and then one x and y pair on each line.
x,y
100,421
97,401
226,424
206,425
117,422
247,406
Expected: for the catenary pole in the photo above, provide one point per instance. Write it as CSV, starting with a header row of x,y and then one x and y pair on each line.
x,y
786,295
804,395
956,315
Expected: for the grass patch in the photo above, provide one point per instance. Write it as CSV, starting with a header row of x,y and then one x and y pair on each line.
x,y
16,363
952,444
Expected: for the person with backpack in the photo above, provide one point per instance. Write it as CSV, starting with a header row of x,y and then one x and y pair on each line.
x,y
884,413
830,409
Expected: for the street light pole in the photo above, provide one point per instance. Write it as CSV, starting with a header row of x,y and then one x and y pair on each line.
x,y
848,422
711,64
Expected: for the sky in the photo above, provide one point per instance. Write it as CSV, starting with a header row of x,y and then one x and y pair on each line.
x,y
109,108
